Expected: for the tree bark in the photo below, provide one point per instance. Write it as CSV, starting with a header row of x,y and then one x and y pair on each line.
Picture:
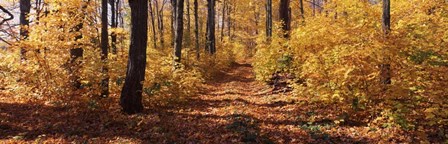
x,y
104,49
114,23
131,95
269,18
25,7
211,46
196,28
385,75
285,17
179,29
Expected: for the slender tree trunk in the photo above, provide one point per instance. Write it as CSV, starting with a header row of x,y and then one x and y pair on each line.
x,y
285,17
160,22
196,28
386,68
153,24
173,21
211,47
302,12
269,18
104,49
179,28
188,23
114,14
131,95
229,23
25,7
224,5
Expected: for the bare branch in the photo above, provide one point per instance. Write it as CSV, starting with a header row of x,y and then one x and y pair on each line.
x,y
7,12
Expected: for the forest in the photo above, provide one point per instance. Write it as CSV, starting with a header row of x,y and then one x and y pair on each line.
x,y
224,71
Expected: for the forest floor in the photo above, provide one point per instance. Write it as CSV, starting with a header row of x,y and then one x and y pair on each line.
x,y
232,108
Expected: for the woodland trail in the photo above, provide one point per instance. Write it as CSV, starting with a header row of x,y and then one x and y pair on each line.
x,y
236,108
232,108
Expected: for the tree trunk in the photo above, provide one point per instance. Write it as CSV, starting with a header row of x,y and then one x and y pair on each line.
x,y
104,49
160,22
302,12
188,23
385,75
131,95
285,17
196,28
229,25
179,29
223,18
25,7
114,15
173,21
153,25
269,18
211,47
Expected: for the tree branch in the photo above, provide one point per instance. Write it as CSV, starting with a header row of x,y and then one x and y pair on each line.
x,y
7,12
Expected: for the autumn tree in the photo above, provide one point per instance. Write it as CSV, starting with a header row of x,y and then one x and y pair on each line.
x,y
114,23
285,17
25,7
131,94
196,28
211,45
104,48
153,25
178,33
268,18
385,68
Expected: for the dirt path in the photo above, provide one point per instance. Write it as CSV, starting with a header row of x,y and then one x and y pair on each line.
x,y
236,108
233,108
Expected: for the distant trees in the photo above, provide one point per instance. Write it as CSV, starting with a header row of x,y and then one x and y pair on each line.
x,y
131,94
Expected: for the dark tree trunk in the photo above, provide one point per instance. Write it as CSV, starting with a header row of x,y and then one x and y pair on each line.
x,y
196,28
269,18
114,15
131,95
25,7
385,75
104,49
302,12
285,17
179,30
153,24
211,46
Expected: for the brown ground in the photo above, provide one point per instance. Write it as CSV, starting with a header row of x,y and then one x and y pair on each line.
x,y
233,108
